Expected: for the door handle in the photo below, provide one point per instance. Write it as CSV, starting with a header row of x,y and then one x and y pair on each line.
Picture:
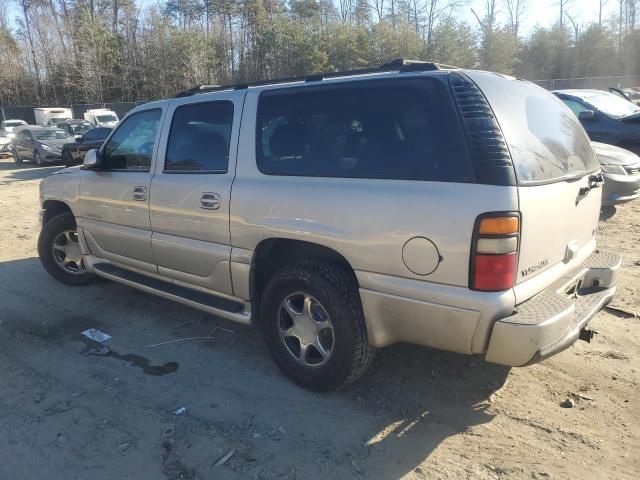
x,y
140,193
210,201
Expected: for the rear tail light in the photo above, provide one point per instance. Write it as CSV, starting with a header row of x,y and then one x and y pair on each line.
x,y
494,252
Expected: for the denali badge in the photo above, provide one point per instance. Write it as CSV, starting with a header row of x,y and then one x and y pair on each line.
x,y
535,268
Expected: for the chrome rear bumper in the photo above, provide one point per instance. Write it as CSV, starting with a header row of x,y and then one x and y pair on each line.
x,y
552,320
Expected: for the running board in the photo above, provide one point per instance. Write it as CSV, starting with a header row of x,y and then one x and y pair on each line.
x,y
214,304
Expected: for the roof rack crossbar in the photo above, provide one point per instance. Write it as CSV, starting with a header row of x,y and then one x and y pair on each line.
x,y
399,65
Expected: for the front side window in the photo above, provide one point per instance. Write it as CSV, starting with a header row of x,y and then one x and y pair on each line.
x,y
199,138
131,146
575,106
394,129
102,133
90,136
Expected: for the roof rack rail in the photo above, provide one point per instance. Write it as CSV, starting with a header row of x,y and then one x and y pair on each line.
x,y
399,65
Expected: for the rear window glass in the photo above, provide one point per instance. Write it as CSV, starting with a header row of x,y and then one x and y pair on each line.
x,y
544,136
395,129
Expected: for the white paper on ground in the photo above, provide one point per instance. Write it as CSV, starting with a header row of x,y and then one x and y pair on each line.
x,y
96,335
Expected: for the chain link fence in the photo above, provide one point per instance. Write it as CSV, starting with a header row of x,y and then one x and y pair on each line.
x,y
601,83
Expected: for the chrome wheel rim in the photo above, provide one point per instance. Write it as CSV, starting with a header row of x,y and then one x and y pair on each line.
x,y
66,252
306,330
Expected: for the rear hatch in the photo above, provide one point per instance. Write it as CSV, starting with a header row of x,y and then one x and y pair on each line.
x,y
555,166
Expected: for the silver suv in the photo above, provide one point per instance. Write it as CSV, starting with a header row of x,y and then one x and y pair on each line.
x,y
349,211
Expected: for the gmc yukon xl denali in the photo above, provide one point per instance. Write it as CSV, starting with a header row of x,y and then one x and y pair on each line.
x,y
349,211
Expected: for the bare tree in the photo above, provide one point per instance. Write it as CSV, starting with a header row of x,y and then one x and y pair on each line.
x,y
601,5
378,6
515,11
434,9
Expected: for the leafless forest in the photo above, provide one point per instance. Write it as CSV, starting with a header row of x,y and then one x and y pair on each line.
x,y
84,51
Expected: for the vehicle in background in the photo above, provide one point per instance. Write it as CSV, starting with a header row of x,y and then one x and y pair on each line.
x,y
449,208
630,94
621,171
605,116
73,153
5,143
10,125
101,117
41,145
76,127
51,116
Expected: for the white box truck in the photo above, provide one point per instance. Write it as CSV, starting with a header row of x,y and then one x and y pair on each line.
x,y
101,117
52,116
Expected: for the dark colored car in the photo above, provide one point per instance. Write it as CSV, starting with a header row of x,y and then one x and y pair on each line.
x,y
41,145
73,153
77,128
607,117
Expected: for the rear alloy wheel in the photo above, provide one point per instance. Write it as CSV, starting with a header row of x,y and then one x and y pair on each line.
x,y
59,250
313,325
16,156
37,158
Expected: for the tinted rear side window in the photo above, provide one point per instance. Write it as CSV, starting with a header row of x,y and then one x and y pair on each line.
x,y
395,129
544,136
199,138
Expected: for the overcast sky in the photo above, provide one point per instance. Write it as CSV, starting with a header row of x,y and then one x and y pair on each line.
x,y
539,12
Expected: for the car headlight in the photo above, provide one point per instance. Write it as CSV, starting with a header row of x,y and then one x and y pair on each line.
x,y
614,169
50,149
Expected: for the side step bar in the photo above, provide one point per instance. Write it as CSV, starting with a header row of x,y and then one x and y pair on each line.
x,y
237,311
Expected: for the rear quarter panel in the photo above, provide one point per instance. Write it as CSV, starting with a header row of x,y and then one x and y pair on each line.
x,y
365,220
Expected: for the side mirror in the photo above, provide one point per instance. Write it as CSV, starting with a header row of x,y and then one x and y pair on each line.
x,y
587,115
92,160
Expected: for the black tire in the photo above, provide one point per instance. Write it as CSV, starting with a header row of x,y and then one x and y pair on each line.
x,y
50,231
66,158
37,159
16,156
336,290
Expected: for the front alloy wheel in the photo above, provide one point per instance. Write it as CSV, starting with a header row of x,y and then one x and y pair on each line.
x,y
66,252
59,250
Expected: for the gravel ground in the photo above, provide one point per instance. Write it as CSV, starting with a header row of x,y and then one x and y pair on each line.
x,y
67,411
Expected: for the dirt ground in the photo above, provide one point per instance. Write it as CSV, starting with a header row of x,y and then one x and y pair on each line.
x,y
67,412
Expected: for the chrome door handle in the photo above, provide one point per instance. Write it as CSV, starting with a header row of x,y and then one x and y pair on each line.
x,y
210,201
140,193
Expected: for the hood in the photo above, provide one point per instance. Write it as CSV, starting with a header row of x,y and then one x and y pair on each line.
x,y
55,143
635,118
612,155
75,168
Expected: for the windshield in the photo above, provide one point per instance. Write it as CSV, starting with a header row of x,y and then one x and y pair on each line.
x,y
106,118
51,135
58,121
80,127
612,104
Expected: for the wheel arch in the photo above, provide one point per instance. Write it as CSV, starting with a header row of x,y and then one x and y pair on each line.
x,y
53,208
271,254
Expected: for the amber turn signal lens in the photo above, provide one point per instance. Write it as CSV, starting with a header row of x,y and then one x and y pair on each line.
x,y
498,226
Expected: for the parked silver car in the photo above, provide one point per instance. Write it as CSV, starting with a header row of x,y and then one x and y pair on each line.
x,y
40,145
621,170
349,211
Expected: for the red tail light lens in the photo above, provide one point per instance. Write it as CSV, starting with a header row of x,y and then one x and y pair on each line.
x,y
494,252
495,272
